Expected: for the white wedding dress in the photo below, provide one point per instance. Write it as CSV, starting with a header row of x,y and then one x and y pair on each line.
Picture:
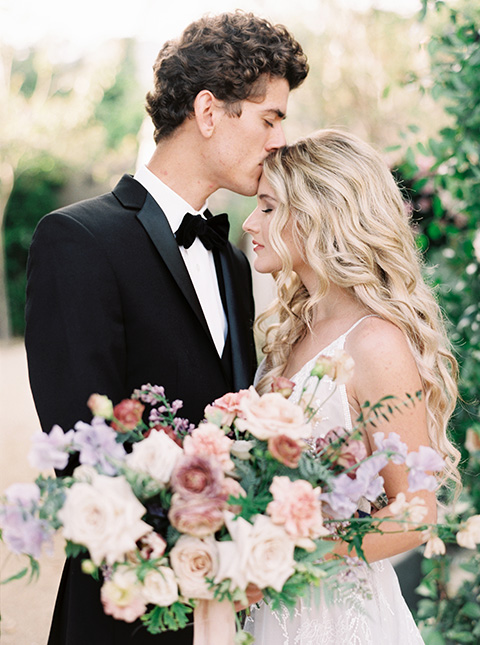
x,y
372,611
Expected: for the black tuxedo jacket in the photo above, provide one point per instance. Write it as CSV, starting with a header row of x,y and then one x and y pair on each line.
x,y
110,306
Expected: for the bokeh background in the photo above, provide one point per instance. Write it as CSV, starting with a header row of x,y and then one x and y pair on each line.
x,y
402,74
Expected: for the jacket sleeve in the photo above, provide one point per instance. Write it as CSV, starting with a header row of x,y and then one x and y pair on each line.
x,y
74,329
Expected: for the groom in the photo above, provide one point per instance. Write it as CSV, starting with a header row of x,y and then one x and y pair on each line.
x,y
116,298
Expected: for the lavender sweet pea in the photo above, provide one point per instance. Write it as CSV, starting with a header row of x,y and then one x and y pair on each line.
x,y
98,446
393,445
22,532
426,459
51,450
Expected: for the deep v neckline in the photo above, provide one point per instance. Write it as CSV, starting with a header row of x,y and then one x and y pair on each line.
x,y
327,347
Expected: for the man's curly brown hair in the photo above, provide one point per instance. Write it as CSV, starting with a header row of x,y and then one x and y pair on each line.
x,y
231,55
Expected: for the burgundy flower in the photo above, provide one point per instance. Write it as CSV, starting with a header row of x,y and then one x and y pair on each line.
x,y
127,415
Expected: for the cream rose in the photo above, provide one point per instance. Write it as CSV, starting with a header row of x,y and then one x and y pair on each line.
x,y
270,415
261,554
156,456
193,560
160,587
270,561
104,516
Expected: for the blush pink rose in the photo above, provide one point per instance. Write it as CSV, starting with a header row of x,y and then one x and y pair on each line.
x,y
127,415
229,405
285,450
296,506
197,517
283,386
232,488
208,440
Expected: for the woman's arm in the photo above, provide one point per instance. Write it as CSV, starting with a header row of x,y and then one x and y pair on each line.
x,y
384,365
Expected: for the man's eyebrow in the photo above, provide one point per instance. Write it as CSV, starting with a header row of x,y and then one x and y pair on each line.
x,y
275,111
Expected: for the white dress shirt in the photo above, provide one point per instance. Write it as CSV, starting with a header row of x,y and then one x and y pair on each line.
x,y
199,262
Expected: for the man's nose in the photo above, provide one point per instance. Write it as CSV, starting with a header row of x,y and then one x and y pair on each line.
x,y
277,140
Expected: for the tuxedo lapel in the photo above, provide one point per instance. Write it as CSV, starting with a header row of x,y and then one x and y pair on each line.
x,y
156,225
241,375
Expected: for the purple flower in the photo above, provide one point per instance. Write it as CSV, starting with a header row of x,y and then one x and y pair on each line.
x,y
22,532
176,405
97,445
26,495
426,459
342,500
392,444
150,393
51,450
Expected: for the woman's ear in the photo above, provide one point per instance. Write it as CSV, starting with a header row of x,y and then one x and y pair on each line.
x,y
206,109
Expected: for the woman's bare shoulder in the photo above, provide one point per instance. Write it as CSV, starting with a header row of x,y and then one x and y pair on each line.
x,y
381,349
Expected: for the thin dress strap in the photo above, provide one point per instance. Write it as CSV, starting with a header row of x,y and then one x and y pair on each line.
x,y
344,335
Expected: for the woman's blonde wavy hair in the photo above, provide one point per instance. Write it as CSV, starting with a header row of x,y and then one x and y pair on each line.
x,y
349,219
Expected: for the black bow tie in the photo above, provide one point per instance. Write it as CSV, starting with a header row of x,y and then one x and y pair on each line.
x,y
212,232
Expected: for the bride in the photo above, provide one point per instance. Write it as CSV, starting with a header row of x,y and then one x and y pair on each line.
x,y
333,230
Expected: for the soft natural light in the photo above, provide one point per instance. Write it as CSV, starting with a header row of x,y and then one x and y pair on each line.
x,y
82,25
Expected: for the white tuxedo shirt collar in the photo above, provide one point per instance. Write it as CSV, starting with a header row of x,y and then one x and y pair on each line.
x,y
170,202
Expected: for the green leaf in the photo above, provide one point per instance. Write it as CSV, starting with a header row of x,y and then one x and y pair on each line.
x,y
471,609
460,637
16,576
73,550
432,636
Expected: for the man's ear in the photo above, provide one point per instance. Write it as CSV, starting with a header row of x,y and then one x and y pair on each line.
x,y
206,109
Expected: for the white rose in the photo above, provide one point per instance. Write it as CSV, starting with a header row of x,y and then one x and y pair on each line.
x,y
155,456
241,449
261,554
160,587
104,516
469,536
270,415
194,559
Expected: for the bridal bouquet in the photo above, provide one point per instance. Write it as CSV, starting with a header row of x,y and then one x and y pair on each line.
x,y
248,499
